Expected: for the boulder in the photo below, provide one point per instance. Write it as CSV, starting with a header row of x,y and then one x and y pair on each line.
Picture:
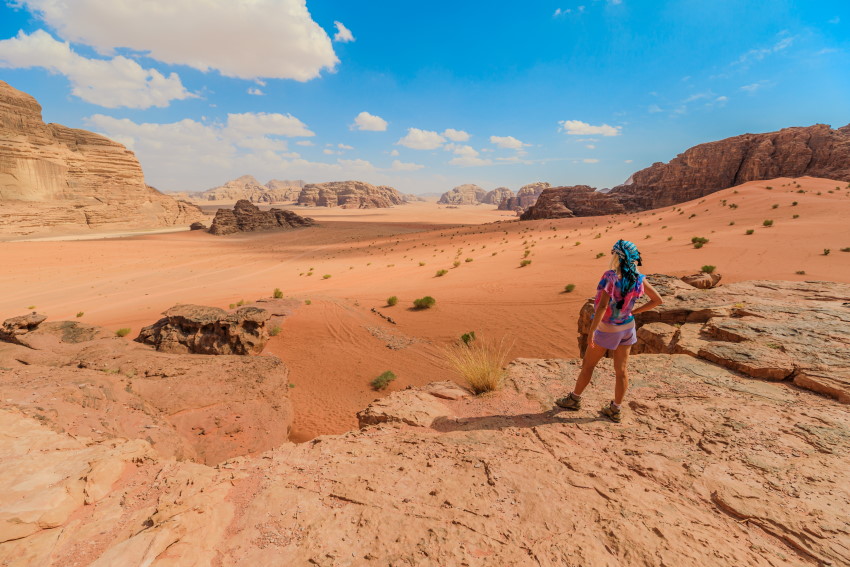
x,y
16,326
199,329
468,194
702,280
349,195
197,226
574,201
247,217
497,195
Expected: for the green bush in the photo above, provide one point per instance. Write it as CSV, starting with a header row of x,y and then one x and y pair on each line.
x,y
699,241
123,332
240,303
277,293
468,260
569,288
467,338
307,302
600,255
800,272
750,231
233,306
441,273
775,206
382,381
826,251
456,263
794,204
767,222
795,216
274,331
524,263
708,269
80,314
392,300
426,302
326,276
846,249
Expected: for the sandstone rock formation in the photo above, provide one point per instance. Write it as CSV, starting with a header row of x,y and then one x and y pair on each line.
x,y
412,198
525,197
199,329
57,178
84,380
773,330
816,151
702,280
246,217
468,194
575,201
349,195
497,195
709,469
248,188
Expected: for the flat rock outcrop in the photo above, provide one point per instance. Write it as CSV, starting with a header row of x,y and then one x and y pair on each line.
x,y
413,198
772,330
349,195
703,280
524,198
468,194
247,217
497,195
54,178
200,329
248,188
815,151
574,201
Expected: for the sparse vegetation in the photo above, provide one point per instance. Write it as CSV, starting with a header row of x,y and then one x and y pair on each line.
x,y
31,307
468,338
826,251
600,255
775,206
277,293
421,263
749,231
426,302
524,263
123,332
699,241
441,273
308,302
80,314
456,263
794,204
392,300
569,288
795,216
800,272
468,260
847,249
708,269
382,381
479,363
240,303
274,331
767,222
326,276
233,306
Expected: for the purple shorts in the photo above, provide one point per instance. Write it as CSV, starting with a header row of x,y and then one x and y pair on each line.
x,y
616,339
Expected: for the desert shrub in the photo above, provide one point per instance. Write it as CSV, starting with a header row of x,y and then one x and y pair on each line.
x,y
441,273
600,255
749,231
826,251
468,338
392,300
382,381
123,332
699,241
708,268
233,306
468,260
526,253
277,293
769,188
733,206
274,331
240,303
731,223
479,363
795,216
80,314
800,272
775,206
578,243
524,263
847,249
426,302
456,263
308,302
569,288
421,263
309,273
30,307
692,215
794,204
669,238
326,276
767,222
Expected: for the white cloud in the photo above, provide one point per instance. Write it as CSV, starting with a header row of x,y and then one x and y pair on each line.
x,y
271,38
590,160
110,83
590,147
421,139
344,147
754,55
370,122
470,161
507,142
358,164
629,161
402,166
305,143
394,153
654,109
255,92
456,135
579,128
461,150
330,152
754,87
261,123
343,34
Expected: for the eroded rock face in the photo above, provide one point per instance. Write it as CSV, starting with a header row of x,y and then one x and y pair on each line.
x,y
574,201
816,151
497,480
702,280
247,217
773,330
412,198
468,194
55,178
525,197
349,195
248,188
199,329
497,195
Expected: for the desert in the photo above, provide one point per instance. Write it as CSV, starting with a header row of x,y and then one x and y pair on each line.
x,y
356,321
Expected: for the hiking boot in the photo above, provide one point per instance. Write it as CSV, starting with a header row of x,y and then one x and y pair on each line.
x,y
571,402
611,412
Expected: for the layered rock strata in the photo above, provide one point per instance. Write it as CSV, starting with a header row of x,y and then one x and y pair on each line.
x,y
524,198
248,188
200,329
575,201
57,178
247,217
772,330
468,194
349,195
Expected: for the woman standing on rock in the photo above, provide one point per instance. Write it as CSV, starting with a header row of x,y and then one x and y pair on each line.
x,y
613,326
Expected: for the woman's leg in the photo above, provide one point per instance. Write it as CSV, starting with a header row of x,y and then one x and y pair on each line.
x,y
621,360
592,356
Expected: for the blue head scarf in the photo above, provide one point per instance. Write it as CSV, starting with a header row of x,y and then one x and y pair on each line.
x,y
629,255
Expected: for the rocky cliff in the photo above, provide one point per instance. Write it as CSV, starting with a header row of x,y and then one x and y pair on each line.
x,y
468,194
497,195
525,197
349,195
816,151
53,177
248,188
575,201
247,217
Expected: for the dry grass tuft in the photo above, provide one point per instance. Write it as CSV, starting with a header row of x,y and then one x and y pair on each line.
x,y
480,364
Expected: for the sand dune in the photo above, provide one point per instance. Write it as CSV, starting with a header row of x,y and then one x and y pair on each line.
x,y
336,345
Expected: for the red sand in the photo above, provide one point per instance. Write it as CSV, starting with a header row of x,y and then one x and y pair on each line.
x,y
374,254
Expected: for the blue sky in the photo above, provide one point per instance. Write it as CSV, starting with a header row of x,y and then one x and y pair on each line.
x,y
493,93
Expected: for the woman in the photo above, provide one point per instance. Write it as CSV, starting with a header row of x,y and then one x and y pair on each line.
x,y
613,326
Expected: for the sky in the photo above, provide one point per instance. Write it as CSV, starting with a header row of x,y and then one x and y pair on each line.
x,y
425,96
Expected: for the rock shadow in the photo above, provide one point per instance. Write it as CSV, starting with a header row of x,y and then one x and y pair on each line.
x,y
445,424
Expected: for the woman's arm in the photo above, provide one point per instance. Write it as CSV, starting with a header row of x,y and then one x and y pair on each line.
x,y
654,299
